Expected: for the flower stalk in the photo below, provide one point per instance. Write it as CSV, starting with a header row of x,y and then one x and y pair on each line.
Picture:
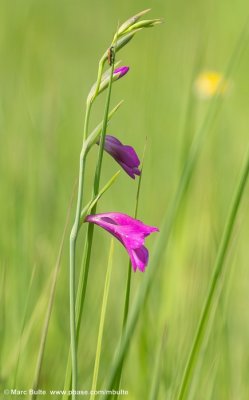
x,y
102,321
123,36
138,253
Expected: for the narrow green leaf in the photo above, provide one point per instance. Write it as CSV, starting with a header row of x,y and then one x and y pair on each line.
x,y
158,368
50,302
106,77
93,137
24,320
218,269
87,209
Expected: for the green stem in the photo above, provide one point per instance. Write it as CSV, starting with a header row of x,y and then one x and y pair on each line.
x,y
102,321
218,268
127,297
73,239
102,137
86,123
125,316
100,71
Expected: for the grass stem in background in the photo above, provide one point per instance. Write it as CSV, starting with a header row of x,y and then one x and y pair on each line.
x,y
14,384
50,302
218,269
2,316
158,368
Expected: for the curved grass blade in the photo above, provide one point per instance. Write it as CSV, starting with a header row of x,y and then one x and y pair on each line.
x,y
93,136
51,301
87,209
218,269
158,368
23,324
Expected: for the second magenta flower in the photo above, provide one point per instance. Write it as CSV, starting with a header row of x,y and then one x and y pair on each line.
x,y
125,155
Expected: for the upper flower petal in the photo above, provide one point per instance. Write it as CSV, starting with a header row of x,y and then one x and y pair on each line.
x,y
124,219
127,234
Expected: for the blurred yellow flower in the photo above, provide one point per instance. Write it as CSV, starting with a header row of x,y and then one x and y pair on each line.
x,y
209,83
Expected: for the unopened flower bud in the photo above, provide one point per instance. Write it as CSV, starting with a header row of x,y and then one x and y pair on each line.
x,y
147,23
117,74
130,22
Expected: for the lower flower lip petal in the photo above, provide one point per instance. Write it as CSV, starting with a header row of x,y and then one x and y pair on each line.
x,y
127,169
139,258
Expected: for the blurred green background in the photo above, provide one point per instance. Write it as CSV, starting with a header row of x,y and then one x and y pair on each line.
x,y
49,51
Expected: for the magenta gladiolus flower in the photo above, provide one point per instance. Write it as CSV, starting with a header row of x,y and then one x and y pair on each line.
x,y
124,155
129,231
121,71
